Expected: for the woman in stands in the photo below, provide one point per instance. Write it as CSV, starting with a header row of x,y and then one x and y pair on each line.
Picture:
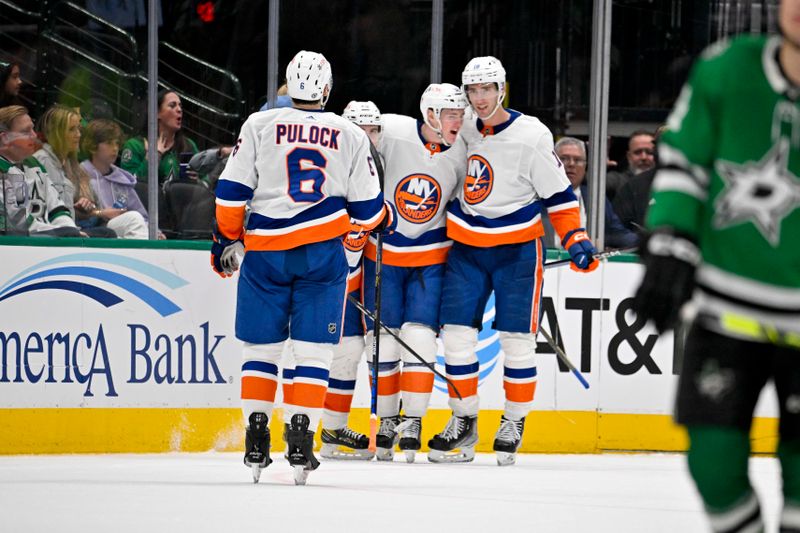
x,y
182,191
171,143
10,84
112,186
61,128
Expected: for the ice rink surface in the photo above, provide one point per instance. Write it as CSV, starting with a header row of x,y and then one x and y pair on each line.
x,y
213,492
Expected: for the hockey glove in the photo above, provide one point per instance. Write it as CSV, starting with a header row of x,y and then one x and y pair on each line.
x,y
581,250
224,255
670,259
388,223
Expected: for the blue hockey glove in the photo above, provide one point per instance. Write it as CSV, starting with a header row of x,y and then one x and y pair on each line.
x,y
670,259
581,250
224,255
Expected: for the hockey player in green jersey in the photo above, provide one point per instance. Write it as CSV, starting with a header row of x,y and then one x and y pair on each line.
x,y
726,233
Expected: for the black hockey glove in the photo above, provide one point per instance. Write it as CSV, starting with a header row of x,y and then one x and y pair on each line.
x,y
670,260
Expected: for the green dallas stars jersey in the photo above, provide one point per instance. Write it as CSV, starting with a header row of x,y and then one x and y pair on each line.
x,y
730,177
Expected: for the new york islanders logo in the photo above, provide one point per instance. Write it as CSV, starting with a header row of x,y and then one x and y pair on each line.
x,y
480,179
417,198
356,240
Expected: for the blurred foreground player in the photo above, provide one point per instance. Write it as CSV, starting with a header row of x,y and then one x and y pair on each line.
x,y
725,232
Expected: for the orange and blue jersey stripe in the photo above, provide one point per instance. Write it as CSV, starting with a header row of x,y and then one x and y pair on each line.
x,y
523,225
309,387
340,395
564,211
465,378
519,384
259,381
232,197
430,248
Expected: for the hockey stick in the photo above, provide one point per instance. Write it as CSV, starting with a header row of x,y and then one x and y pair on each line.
x,y
402,343
602,256
376,345
563,357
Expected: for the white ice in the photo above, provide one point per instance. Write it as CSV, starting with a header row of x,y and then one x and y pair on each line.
x,y
213,492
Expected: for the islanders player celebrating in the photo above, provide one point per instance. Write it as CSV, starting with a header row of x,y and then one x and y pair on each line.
x,y
424,160
306,174
338,440
513,173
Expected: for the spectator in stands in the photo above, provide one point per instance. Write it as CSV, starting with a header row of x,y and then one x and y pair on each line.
x,y
210,163
640,158
60,127
572,153
633,198
117,200
184,200
29,204
10,84
282,100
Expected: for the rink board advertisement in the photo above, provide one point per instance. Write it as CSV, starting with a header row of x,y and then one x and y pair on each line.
x,y
96,339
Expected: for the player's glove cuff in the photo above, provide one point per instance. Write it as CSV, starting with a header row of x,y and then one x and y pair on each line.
x,y
389,221
581,250
668,243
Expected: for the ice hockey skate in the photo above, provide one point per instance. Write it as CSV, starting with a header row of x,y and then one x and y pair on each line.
x,y
409,431
256,439
345,443
300,447
507,440
387,438
456,443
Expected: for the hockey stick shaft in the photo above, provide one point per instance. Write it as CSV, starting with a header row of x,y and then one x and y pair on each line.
x,y
563,357
599,257
402,343
376,348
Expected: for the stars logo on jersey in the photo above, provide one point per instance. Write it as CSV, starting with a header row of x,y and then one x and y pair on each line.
x,y
480,179
417,198
763,193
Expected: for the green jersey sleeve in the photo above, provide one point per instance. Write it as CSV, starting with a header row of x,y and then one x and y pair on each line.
x,y
134,158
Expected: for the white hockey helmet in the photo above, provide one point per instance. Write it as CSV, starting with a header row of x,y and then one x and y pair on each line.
x,y
485,69
307,75
440,96
362,113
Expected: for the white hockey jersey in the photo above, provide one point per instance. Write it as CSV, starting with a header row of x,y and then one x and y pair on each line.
x,y
304,173
512,173
421,179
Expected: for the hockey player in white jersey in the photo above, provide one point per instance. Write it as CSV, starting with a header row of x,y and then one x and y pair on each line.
x,y
512,174
305,174
338,440
424,162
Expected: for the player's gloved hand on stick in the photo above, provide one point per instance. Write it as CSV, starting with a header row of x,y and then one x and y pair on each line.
x,y
670,259
581,250
224,255
388,223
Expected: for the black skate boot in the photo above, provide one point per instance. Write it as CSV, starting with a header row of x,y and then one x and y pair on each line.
x,y
410,431
387,438
508,439
345,443
300,444
456,443
256,441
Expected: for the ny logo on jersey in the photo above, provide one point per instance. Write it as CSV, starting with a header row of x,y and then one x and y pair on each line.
x,y
763,193
480,179
417,198
356,240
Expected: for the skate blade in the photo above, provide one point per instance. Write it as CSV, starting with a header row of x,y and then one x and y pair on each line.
x,y
506,458
410,456
300,474
256,470
459,455
383,454
332,451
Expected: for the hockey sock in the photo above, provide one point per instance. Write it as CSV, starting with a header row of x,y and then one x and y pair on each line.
x,y
718,458
789,455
